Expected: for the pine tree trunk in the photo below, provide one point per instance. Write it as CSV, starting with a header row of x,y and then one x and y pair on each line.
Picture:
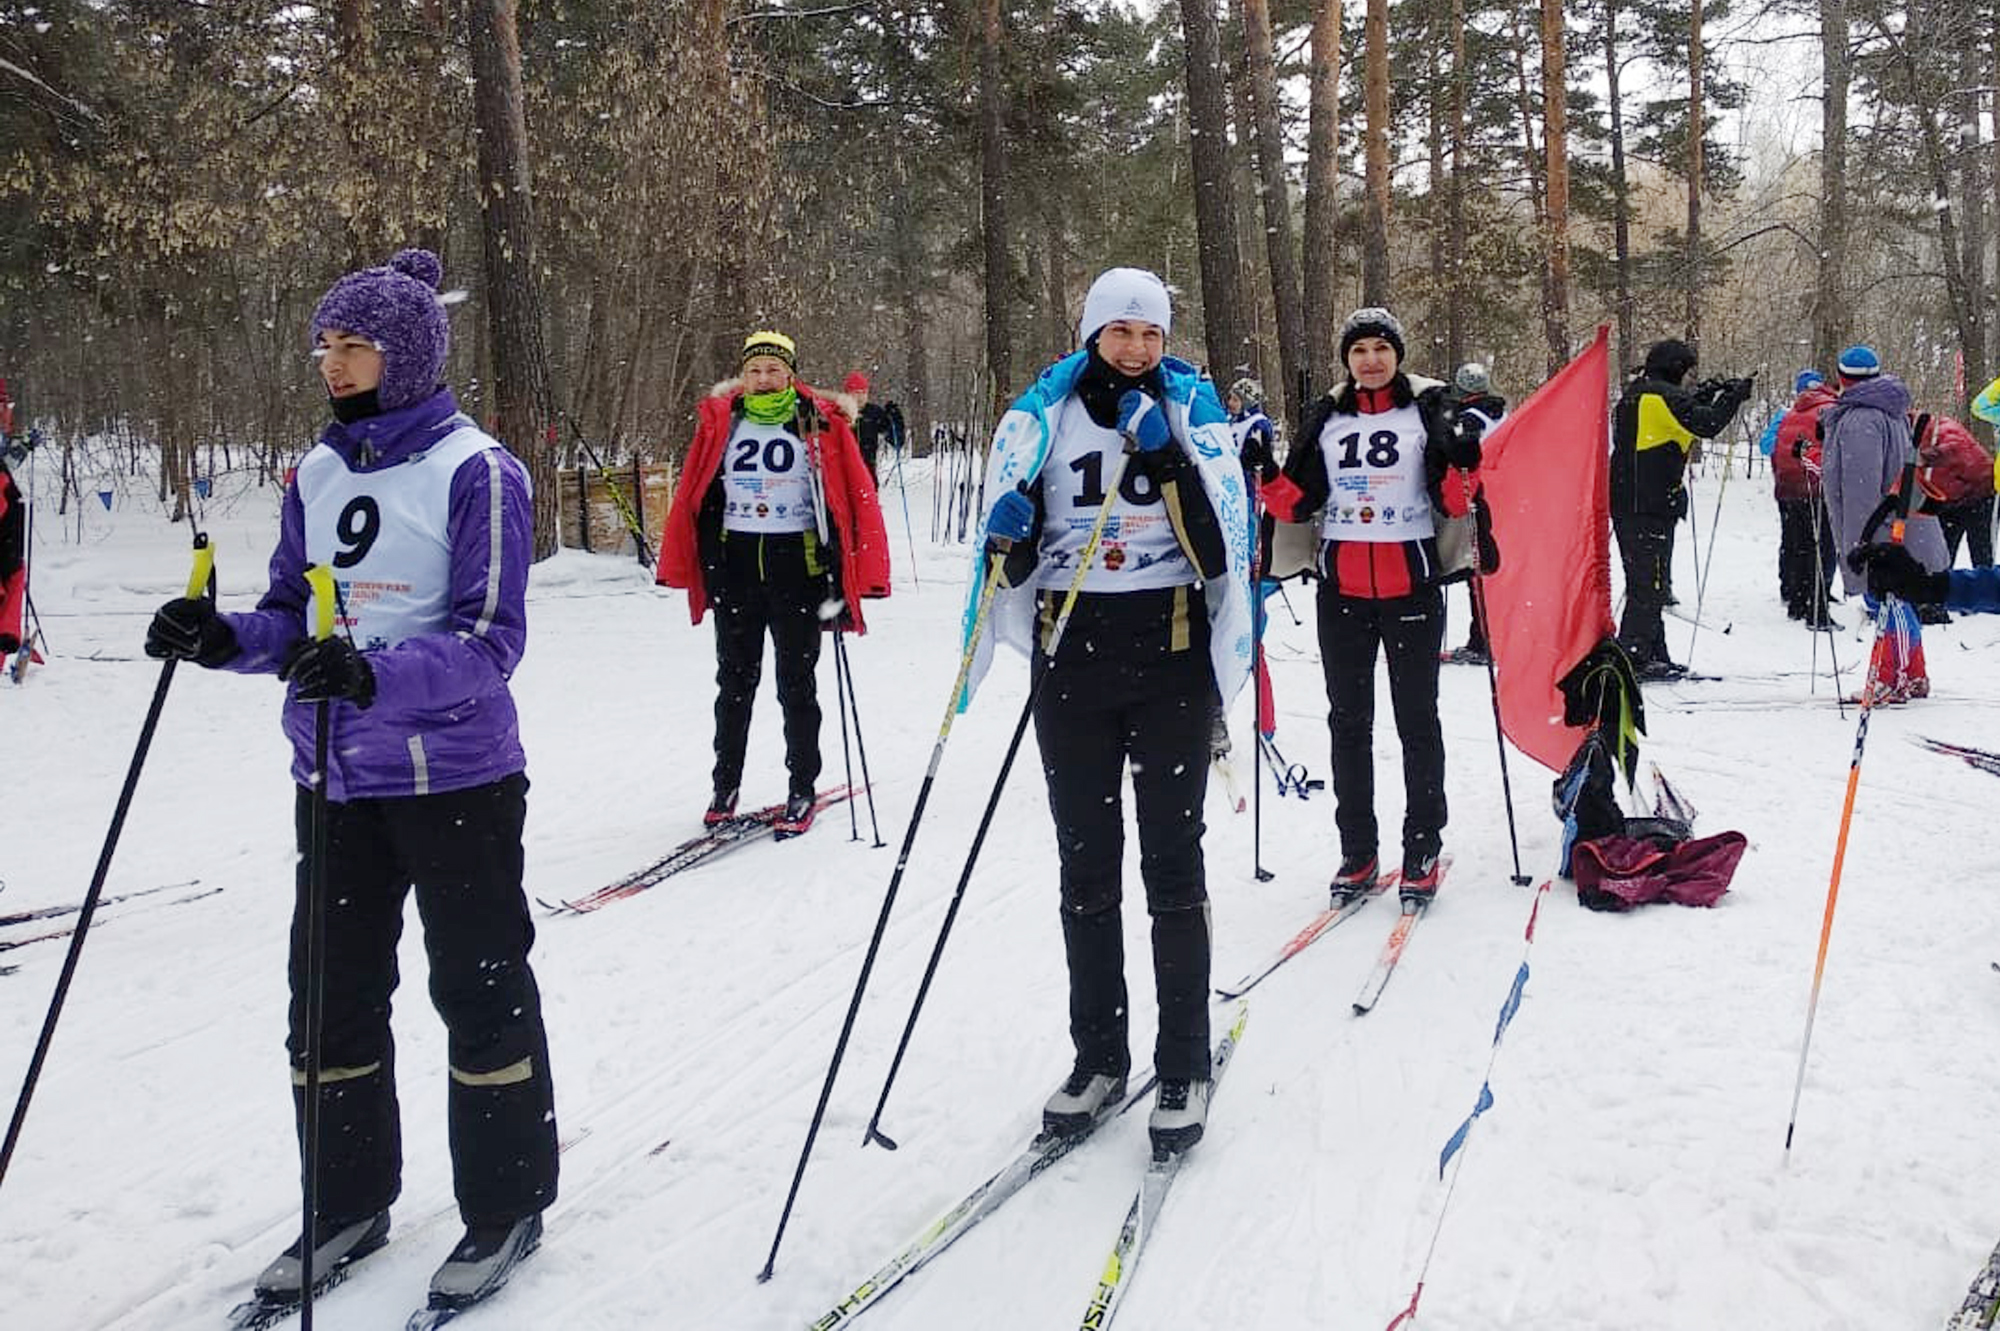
x,y
993,205
1830,314
1214,209
1322,202
1696,129
1376,287
1275,194
910,278
1972,204
1621,190
1555,149
1455,234
513,297
1252,264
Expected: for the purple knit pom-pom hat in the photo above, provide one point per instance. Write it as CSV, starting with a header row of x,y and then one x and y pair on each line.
x,y
397,308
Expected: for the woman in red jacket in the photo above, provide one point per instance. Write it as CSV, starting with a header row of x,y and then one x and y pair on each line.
x,y
1380,461
776,527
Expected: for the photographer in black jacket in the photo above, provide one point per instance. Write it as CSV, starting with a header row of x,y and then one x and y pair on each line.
x,y
1653,428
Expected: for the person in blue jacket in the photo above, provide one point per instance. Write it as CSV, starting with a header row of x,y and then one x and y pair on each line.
x,y
1121,432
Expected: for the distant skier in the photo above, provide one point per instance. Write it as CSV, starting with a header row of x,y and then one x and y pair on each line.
x,y
1957,476
875,424
1380,463
1256,437
775,525
13,560
1161,624
428,523
1654,427
1805,538
1867,437
1472,392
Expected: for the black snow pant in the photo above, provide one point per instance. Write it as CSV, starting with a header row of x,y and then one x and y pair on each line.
x,y
461,850
1106,703
774,584
1973,520
1646,546
1805,555
1409,631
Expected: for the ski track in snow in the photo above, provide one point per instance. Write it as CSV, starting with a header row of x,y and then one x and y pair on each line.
x,y
1630,1173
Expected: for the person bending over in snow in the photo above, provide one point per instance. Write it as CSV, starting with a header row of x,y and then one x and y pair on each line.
x,y
1379,462
426,520
1867,440
774,525
1161,625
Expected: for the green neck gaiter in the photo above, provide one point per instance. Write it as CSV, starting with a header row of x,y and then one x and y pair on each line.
x,y
771,408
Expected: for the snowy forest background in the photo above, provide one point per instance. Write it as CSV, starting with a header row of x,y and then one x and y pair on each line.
x,y
923,189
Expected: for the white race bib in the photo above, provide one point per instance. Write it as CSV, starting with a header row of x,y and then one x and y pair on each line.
x,y
386,535
1375,477
1138,551
766,480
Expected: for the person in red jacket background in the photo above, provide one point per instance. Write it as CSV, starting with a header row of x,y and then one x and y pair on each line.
x,y
1805,541
1378,463
776,527
1957,476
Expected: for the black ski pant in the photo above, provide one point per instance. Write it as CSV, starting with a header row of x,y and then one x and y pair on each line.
x,y
1805,555
1090,718
1973,520
461,850
768,585
1408,630
1646,546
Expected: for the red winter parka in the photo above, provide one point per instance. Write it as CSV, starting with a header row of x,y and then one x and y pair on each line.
x,y
1955,467
853,516
1795,459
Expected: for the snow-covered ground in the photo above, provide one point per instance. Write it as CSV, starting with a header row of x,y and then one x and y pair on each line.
x,y
1631,1174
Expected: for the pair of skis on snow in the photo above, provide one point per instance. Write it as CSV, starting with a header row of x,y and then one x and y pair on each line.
x,y
730,834
1147,1203
1033,1161
1336,914
64,931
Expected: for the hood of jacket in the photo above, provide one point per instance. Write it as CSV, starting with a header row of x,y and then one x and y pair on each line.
x,y
1885,392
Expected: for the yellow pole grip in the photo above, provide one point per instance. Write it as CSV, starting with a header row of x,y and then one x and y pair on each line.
x,y
204,567
320,578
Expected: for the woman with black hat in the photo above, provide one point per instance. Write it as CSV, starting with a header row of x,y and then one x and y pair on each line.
x,y
1380,461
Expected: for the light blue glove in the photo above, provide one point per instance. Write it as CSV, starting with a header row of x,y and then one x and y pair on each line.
x,y
1013,518
1141,420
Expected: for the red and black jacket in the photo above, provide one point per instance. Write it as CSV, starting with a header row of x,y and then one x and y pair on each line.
x,y
1374,570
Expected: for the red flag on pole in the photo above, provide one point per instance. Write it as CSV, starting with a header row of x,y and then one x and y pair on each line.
x,y
1543,474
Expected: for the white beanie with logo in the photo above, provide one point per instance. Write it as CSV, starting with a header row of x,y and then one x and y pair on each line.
x,y
1125,293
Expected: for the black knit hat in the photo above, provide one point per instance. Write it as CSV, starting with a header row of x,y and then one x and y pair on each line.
x,y
1372,321
1669,360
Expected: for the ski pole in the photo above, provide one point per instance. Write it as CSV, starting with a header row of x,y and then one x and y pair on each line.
x,y
1702,565
1047,663
846,754
1257,618
618,500
980,616
200,583
898,436
1875,660
843,665
324,593
1499,734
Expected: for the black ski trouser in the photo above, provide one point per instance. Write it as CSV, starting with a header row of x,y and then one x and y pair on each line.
x,y
1646,548
769,585
1090,719
1971,519
461,851
1805,554
1408,630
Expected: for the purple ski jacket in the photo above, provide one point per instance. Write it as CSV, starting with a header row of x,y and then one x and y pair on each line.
x,y
1867,439
443,718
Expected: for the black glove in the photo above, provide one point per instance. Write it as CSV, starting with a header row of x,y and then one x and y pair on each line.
x,y
1461,445
1257,455
188,629
9,644
1678,503
321,670
1893,571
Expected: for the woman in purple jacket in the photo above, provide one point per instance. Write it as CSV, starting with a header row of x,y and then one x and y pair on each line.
x,y
426,523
